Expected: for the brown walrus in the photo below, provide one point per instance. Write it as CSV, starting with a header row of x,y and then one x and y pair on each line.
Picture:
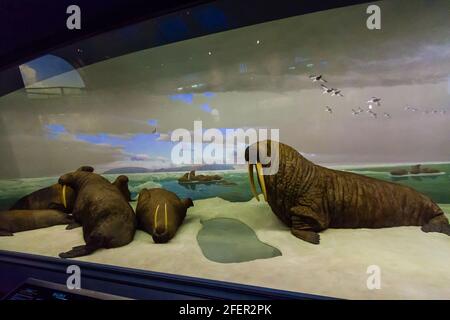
x,y
107,219
121,183
61,197
310,198
160,213
21,220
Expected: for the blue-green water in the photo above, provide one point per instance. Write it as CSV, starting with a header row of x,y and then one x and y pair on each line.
x,y
229,240
436,187
236,187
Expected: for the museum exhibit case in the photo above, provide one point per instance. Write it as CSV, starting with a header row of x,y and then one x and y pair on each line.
x,y
133,149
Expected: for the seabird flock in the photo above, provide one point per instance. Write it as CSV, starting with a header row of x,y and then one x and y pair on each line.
x,y
374,101
370,104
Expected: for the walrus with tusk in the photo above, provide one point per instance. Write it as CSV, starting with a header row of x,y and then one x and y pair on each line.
x,y
107,218
22,220
160,213
62,197
309,198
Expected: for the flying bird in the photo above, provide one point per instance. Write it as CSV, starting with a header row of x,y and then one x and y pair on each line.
x,y
374,100
315,78
387,115
373,114
337,92
356,112
328,109
326,89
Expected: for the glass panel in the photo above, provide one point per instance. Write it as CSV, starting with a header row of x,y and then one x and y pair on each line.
x,y
362,115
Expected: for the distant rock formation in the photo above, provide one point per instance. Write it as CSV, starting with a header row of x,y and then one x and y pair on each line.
x,y
416,169
399,172
191,177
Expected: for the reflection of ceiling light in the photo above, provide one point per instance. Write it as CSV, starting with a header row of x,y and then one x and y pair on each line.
x,y
210,53
194,86
257,42
180,88
291,68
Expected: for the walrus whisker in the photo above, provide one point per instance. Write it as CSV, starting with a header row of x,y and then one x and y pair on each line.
x,y
252,181
262,184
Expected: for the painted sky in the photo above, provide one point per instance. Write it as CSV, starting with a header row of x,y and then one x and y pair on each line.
x,y
251,77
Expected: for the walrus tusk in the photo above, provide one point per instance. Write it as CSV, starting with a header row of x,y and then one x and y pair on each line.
x,y
262,184
165,216
252,181
63,196
155,224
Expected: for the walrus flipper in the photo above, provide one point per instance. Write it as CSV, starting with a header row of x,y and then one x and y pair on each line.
x,y
305,223
73,225
78,251
4,233
437,224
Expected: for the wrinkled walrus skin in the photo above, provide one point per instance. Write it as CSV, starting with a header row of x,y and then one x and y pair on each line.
x,y
309,198
160,213
107,219
22,220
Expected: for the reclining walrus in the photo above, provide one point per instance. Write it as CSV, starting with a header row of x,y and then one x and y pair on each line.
x,y
309,198
107,219
61,197
22,220
160,213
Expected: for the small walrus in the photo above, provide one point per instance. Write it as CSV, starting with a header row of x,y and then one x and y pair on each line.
x,y
22,220
160,213
61,197
107,218
309,198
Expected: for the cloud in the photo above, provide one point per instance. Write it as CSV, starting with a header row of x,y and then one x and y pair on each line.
x,y
140,157
216,115
183,97
164,137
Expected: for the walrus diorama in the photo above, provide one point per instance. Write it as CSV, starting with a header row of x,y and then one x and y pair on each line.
x,y
22,220
160,213
107,219
309,198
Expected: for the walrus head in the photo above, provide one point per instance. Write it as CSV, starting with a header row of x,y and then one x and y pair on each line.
x,y
161,212
121,183
264,157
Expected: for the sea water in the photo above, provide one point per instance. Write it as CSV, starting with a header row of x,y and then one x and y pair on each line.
x,y
234,187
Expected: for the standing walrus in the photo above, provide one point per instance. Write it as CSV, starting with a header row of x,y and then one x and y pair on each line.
x,y
310,198
107,218
22,220
160,213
